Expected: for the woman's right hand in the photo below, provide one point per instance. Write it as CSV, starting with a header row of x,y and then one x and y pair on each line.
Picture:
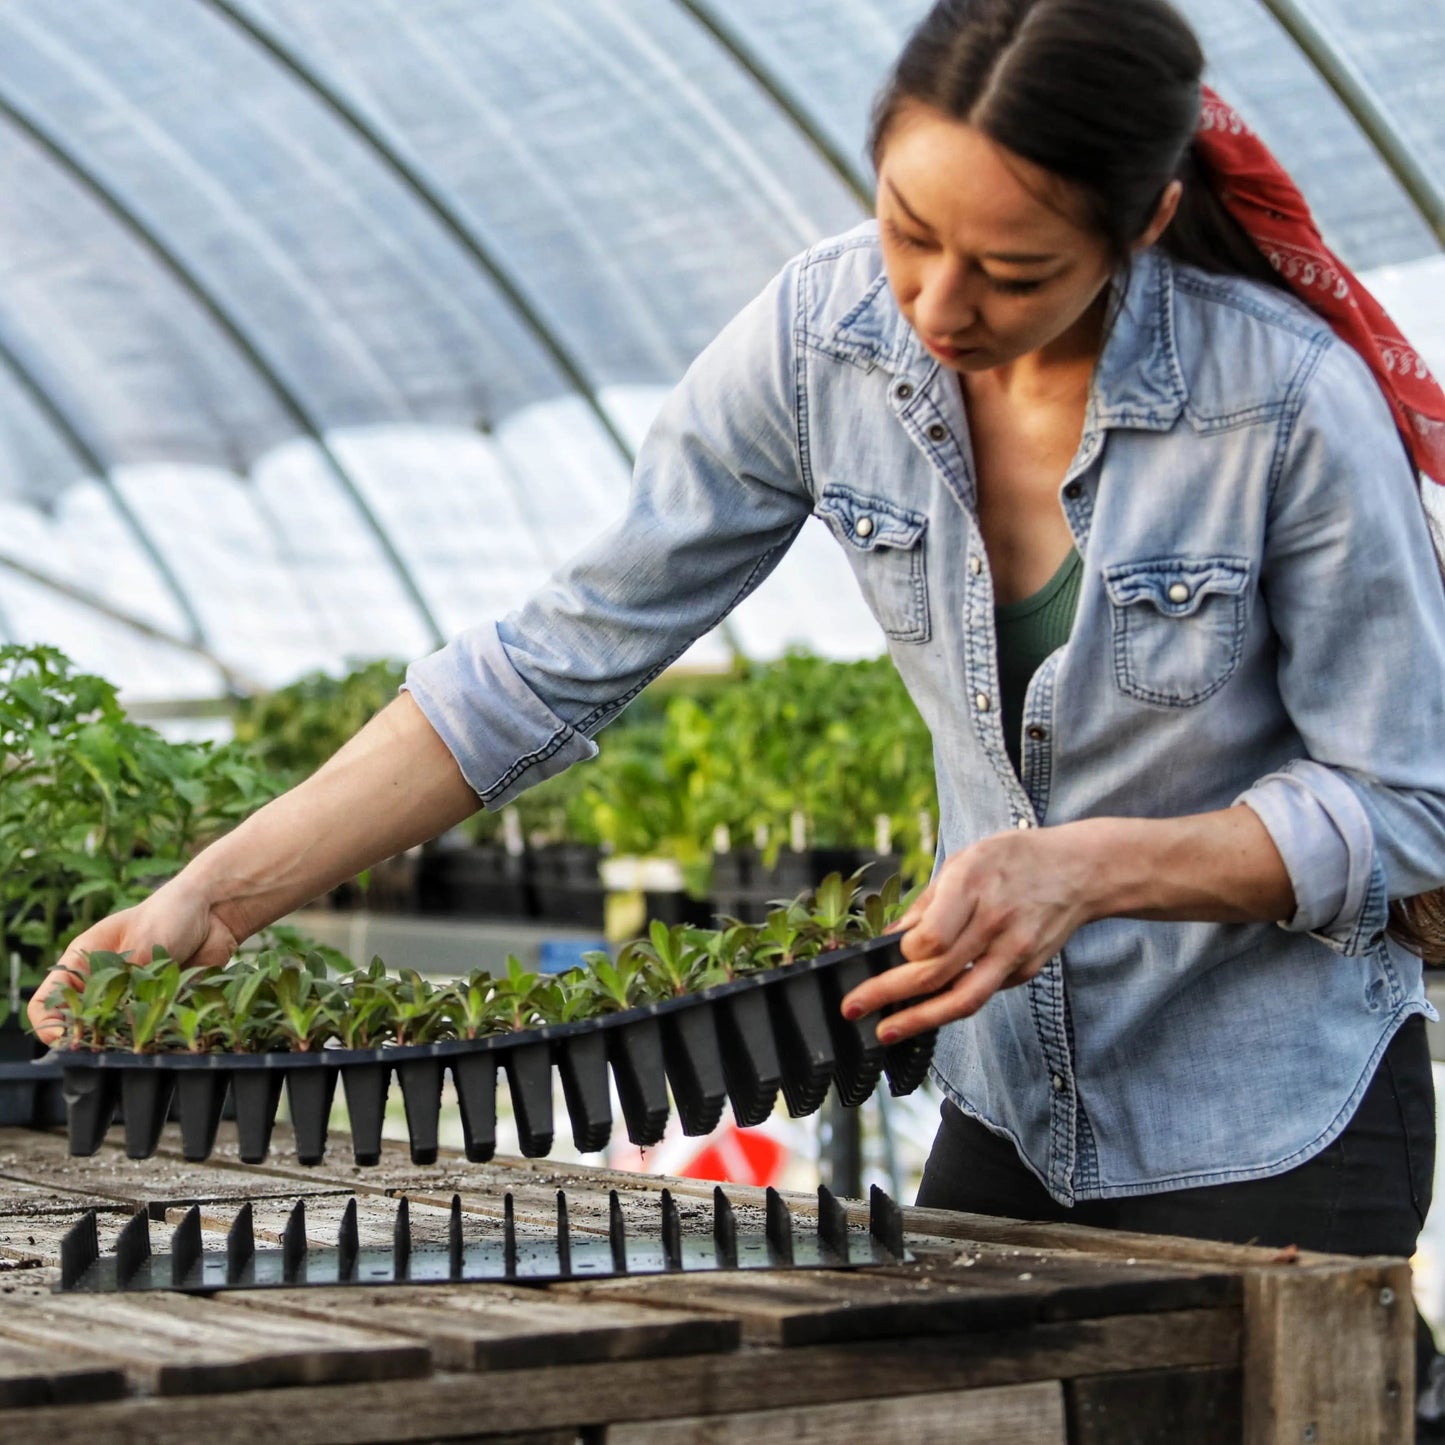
x,y
177,917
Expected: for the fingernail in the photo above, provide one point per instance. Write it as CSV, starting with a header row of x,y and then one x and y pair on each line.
x,y
887,1036
852,1011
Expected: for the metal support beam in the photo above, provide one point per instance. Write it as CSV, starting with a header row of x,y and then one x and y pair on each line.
x,y
236,331
847,168
1355,93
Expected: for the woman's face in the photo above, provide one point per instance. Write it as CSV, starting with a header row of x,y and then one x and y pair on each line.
x,y
983,269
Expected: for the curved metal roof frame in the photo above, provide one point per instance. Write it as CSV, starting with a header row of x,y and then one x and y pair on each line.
x,y
236,681
70,432
1337,70
411,176
240,337
792,105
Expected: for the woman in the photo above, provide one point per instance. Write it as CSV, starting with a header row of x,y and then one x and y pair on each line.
x,y
1043,372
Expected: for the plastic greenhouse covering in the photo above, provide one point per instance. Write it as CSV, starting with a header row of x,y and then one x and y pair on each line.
x,y
327,327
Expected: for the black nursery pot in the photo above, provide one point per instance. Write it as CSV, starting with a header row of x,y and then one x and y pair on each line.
x,y
310,1088
256,1091
692,1057
365,1086
751,1071
805,1041
145,1101
91,1096
30,1096
582,1063
200,1097
479,882
859,1056
905,1063
566,886
30,1092
475,1075
421,1093
529,1076
635,1051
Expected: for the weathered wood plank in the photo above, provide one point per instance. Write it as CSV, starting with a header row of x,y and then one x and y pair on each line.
x,y
176,1345
35,1238
1157,1407
1329,1355
31,1376
1006,1415
590,1395
41,1160
496,1327
997,1289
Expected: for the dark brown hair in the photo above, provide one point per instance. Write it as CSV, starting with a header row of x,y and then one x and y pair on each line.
x,y
1104,95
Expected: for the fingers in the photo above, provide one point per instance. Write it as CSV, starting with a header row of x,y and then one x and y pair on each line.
x,y
43,1010
927,971
970,990
937,919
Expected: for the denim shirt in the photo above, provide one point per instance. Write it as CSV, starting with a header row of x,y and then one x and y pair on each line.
x,y
1260,619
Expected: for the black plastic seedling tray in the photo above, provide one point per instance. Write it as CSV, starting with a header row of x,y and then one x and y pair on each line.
x,y
30,1094
191,1269
739,1043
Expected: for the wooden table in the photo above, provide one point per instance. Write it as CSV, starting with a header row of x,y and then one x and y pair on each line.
x,y
999,1333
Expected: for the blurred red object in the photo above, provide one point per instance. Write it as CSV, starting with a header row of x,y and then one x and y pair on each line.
x,y
737,1156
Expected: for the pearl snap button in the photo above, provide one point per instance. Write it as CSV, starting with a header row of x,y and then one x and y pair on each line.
x,y
1179,592
1058,1082
981,701
1024,824
903,390
975,565
863,527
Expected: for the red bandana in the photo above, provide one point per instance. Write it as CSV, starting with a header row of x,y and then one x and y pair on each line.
x,y
1259,195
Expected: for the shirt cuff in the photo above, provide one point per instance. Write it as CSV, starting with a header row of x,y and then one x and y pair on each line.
x,y
504,737
1323,833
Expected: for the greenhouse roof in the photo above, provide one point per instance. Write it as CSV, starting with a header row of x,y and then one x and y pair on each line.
x,y
327,327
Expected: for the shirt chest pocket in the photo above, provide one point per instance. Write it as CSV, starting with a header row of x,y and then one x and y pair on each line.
x,y
884,544
1179,625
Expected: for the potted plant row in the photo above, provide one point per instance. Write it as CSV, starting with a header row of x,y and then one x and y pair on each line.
x,y
736,1014
807,765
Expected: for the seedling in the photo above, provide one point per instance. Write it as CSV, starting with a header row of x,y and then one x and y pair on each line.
x,y
615,986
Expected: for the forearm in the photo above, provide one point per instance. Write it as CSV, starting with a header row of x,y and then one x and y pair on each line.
x,y
391,786
1219,867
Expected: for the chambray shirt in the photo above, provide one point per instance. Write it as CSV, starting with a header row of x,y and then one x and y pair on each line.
x,y
1260,619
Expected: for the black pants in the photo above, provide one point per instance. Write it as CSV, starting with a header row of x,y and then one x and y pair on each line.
x,y
1367,1193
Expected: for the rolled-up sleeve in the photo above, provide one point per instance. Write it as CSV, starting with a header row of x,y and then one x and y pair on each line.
x,y
1355,596
717,496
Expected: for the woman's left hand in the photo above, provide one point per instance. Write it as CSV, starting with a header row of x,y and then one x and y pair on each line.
x,y
1000,910
994,915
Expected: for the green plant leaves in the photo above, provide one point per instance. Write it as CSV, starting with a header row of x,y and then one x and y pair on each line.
x,y
292,995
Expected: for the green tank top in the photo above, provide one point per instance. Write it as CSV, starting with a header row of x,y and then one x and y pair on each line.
x,y
1028,631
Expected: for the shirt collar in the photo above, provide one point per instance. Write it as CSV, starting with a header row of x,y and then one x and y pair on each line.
x,y
1137,380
